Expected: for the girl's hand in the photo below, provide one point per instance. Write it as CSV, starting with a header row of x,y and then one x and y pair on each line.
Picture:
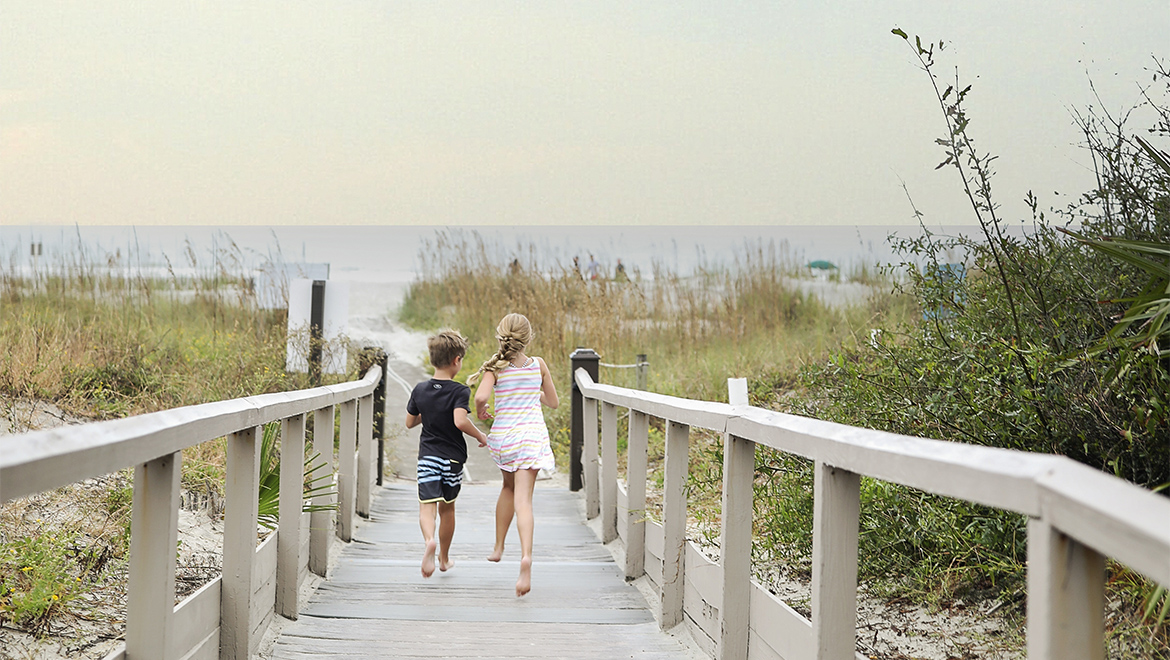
x,y
483,413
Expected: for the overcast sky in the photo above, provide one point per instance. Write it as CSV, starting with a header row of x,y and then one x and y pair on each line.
x,y
352,112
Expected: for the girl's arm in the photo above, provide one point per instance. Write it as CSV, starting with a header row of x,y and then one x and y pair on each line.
x,y
413,420
464,423
548,389
483,393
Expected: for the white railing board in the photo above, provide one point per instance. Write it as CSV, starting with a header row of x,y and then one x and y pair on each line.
x,y
264,564
43,460
758,649
704,615
205,649
654,539
608,494
290,503
652,567
636,467
699,636
366,466
589,458
703,414
1114,517
150,589
195,619
303,561
785,631
623,509
1000,478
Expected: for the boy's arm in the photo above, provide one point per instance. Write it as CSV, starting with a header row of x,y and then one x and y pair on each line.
x,y
548,389
463,423
483,393
413,420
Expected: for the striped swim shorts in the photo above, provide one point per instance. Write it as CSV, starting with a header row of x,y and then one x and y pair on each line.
x,y
439,479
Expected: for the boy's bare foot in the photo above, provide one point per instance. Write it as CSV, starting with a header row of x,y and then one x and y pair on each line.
x,y
428,563
445,564
497,554
524,583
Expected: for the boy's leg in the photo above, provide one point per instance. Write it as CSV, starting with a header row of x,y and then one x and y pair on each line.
x,y
446,534
525,481
505,509
426,522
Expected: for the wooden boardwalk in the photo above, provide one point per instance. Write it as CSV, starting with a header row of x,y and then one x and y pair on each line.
x,y
375,603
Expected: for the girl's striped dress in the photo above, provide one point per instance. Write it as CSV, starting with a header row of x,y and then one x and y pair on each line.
x,y
519,436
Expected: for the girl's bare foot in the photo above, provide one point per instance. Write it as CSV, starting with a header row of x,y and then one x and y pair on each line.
x,y
428,563
524,583
445,564
497,554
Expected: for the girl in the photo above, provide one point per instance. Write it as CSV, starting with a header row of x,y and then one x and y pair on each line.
x,y
518,439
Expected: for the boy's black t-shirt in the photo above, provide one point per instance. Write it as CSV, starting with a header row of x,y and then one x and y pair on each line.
x,y
436,400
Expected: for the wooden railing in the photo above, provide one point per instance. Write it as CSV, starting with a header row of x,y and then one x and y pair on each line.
x,y
1077,517
227,617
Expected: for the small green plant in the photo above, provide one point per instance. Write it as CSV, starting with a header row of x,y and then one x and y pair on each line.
x,y
39,576
269,495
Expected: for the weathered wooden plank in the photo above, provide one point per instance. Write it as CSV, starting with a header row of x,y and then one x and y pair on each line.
x,y
674,523
589,458
322,524
239,543
836,511
347,470
365,457
1066,596
785,632
288,534
636,464
155,533
195,620
608,484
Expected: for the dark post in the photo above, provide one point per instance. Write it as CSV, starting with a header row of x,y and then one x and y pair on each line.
x,y
370,356
588,359
641,370
316,331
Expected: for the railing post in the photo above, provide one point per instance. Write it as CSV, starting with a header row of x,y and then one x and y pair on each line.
x,y
592,496
321,524
347,470
674,523
154,536
636,462
370,356
365,466
1066,596
739,467
608,472
836,511
288,533
587,359
239,543
642,371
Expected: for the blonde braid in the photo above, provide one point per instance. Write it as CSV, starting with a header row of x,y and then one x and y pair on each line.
x,y
514,334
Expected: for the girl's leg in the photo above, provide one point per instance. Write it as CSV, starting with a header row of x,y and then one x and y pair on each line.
x,y
426,522
505,509
525,481
446,533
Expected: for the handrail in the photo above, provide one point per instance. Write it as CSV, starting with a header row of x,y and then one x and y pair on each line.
x,y
43,460
227,617
1077,515
1019,481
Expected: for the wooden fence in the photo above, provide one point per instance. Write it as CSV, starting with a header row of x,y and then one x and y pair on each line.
x,y
227,617
1077,517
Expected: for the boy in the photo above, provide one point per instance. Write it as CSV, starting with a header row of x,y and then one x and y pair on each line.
x,y
441,406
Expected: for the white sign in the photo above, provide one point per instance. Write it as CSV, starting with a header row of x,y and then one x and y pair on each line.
x,y
334,339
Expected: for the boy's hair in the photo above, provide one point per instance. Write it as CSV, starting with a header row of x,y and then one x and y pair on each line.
x,y
445,346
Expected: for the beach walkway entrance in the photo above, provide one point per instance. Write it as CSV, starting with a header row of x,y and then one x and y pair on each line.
x,y
376,604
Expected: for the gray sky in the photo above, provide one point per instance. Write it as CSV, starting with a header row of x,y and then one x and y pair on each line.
x,y
580,113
